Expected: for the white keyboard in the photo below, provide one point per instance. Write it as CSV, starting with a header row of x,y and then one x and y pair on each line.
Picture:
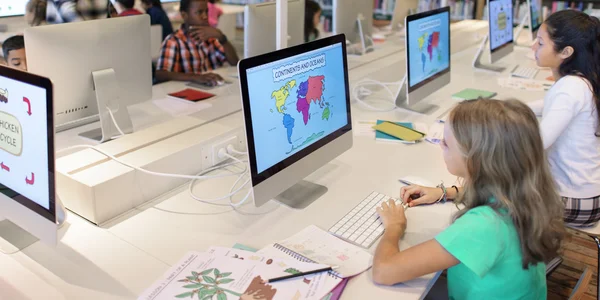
x,y
361,226
524,72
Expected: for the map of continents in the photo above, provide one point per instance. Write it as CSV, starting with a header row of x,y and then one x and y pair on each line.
x,y
431,40
308,92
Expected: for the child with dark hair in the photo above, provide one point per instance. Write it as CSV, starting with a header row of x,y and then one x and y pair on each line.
x,y
568,43
312,18
190,53
128,9
158,16
13,49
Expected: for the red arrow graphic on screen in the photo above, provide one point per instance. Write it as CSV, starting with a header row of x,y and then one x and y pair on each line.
x,y
28,105
4,167
30,181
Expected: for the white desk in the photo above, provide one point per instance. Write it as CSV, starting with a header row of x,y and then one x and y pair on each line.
x,y
122,259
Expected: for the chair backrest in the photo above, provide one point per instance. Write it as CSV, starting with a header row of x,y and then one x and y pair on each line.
x,y
582,285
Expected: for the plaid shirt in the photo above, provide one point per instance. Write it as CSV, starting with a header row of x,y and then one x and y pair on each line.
x,y
65,11
181,54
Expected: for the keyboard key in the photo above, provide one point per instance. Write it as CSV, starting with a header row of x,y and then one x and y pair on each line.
x,y
362,225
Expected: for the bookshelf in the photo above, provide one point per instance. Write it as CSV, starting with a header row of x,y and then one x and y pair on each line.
x,y
383,10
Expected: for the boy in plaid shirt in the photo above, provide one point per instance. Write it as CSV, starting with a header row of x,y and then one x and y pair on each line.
x,y
190,53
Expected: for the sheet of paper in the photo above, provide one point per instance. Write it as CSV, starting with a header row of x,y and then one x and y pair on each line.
x,y
178,108
320,246
436,133
315,286
524,84
199,275
206,274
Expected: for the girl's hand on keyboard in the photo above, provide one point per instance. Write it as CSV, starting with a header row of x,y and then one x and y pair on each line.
x,y
416,195
392,216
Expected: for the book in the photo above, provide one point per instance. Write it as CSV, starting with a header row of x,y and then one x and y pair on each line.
x,y
335,294
469,94
191,95
380,136
238,274
317,246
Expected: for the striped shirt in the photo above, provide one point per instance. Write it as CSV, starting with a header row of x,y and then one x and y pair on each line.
x,y
65,11
181,54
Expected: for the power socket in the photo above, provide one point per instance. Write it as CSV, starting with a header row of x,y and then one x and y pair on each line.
x,y
233,140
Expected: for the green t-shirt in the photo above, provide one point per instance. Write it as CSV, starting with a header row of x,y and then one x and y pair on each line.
x,y
488,248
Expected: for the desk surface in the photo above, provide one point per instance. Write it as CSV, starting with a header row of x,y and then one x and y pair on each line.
x,y
127,255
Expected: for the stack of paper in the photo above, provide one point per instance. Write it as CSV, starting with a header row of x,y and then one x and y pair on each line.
x,y
224,273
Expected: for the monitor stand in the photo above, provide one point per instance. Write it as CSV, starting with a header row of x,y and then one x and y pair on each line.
x,y
366,42
524,21
301,195
110,109
402,100
477,64
14,238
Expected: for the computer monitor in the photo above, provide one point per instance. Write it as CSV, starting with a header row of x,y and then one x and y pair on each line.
x,y
12,8
427,56
501,28
401,10
96,66
500,36
346,13
535,16
27,176
260,25
296,105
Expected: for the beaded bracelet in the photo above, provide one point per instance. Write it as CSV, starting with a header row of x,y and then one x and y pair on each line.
x,y
444,196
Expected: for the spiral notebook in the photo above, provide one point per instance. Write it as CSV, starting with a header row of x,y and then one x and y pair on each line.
x,y
315,245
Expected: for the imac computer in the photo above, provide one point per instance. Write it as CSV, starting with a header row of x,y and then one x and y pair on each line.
x,y
260,27
354,18
98,69
500,34
427,58
533,19
28,198
296,105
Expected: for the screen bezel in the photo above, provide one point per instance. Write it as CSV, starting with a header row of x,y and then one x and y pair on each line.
x,y
512,39
437,75
44,83
252,62
530,11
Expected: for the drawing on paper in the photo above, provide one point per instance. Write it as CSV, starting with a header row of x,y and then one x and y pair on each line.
x,y
204,285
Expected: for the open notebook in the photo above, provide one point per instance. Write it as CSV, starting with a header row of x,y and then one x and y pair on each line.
x,y
315,245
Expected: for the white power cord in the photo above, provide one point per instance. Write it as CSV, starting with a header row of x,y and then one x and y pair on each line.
x,y
231,192
222,153
115,121
359,90
182,176
230,149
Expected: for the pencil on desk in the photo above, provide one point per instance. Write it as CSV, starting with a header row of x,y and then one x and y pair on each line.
x,y
299,274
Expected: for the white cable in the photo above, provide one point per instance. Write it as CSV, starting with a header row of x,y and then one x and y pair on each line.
x,y
234,205
359,90
231,191
232,150
182,176
115,121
